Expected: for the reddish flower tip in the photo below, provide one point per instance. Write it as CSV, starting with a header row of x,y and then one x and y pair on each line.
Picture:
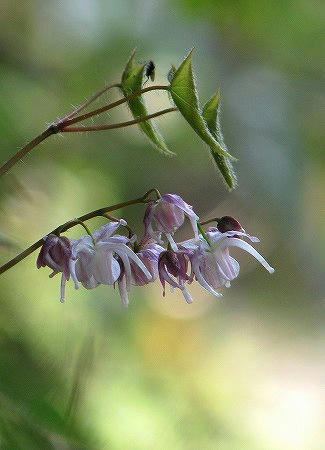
x,y
228,223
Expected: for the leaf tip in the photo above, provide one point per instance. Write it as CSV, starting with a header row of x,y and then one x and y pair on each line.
x,y
189,54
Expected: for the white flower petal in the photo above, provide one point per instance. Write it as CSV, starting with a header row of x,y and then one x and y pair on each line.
x,y
190,244
137,260
106,268
127,268
106,231
241,233
84,267
211,272
249,249
62,290
72,267
202,281
186,295
194,219
123,292
228,266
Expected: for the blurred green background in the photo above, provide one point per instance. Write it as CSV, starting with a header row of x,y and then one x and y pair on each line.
x,y
243,373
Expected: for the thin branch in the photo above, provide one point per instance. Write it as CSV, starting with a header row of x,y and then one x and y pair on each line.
x,y
215,219
117,125
23,151
63,123
156,191
71,223
95,112
89,101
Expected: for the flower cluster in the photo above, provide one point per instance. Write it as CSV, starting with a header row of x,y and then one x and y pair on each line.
x,y
106,257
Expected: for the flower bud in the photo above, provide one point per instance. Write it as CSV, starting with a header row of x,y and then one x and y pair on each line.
x,y
228,223
55,253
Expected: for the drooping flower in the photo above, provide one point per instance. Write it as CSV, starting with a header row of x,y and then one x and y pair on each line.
x,y
212,264
95,265
172,268
56,253
108,258
149,255
166,215
104,259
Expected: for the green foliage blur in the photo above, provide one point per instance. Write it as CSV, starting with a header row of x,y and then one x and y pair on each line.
x,y
242,373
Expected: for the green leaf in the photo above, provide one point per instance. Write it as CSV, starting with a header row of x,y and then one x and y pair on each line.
x,y
185,97
211,115
132,79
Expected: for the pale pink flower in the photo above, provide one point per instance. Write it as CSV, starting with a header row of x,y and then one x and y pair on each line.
x,y
166,215
96,263
212,264
101,256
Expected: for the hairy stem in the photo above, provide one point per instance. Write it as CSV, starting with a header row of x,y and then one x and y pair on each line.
x,y
97,111
69,120
91,100
23,151
118,125
71,223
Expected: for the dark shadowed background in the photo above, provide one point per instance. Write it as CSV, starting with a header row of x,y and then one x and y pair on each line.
x,y
246,372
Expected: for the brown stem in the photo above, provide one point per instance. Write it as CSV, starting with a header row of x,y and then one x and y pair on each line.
x,y
156,191
95,112
89,101
117,125
115,219
71,223
23,151
63,123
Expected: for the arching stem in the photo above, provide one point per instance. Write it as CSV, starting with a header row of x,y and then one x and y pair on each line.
x,y
117,125
112,105
71,223
68,120
90,100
